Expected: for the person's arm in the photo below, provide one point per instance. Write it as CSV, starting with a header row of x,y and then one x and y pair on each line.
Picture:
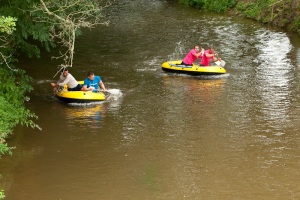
x,y
209,55
85,88
101,84
197,55
201,53
55,85
216,58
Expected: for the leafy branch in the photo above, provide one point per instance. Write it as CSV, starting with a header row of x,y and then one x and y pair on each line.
x,y
7,26
65,18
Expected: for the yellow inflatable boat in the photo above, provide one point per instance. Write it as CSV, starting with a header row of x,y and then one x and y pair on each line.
x,y
175,66
78,96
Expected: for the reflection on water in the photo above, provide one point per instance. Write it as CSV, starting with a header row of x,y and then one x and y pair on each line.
x,y
274,77
273,86
86,115
194,88
298,57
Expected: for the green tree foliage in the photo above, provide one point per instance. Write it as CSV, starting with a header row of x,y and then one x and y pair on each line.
x,y
65,18
29,35
7,24
13,87
34,31
14,84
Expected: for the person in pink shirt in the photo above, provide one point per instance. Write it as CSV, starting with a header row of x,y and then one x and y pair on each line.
x,y
208,56
193,55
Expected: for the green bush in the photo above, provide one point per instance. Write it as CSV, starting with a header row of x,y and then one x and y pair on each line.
x,y
194,3
297,25
14,84
211,5
2,196
199,3
251,10
276,12
219,6
240,7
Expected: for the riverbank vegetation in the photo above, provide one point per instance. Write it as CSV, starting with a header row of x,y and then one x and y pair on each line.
x,y
14,84
25,28
279,13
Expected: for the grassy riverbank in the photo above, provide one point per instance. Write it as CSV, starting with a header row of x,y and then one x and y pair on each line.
x,y
278,13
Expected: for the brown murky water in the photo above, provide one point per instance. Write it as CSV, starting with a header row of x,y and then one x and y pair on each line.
x,y
169,136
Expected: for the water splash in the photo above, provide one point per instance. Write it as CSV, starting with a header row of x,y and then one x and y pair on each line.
x,y
113,94
178,52
88,104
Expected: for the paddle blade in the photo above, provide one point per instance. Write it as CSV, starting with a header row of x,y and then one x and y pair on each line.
x,y
218,63
223,63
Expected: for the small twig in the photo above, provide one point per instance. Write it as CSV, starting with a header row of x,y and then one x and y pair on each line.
x,y
6,63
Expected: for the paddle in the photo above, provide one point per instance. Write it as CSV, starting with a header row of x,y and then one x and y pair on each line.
x,y
221,63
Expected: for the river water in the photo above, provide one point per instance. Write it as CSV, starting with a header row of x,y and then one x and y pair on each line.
x,y
169,136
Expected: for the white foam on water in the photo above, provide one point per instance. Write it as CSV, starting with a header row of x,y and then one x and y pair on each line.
x,y
113,94
178,52
86,104
46,81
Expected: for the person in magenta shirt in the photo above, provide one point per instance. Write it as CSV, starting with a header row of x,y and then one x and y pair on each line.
x,y
208,56
193,55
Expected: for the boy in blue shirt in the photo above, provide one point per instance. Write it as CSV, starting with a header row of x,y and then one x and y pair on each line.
x,y
92,82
